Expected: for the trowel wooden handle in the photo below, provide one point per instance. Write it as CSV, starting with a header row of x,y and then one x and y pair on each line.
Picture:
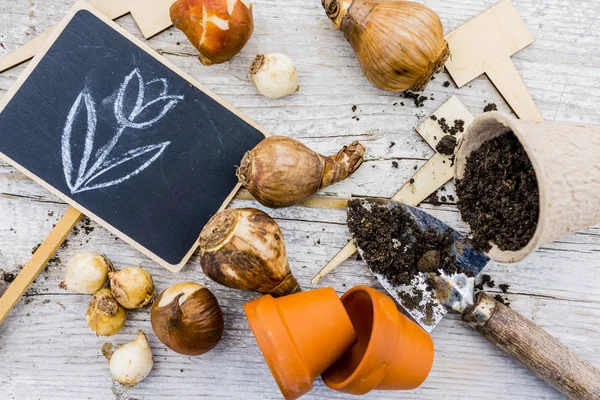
x,y
535,348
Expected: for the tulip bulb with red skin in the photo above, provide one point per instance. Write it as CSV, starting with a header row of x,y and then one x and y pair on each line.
x,y
243,249
219,29
187,319
281,172
399,44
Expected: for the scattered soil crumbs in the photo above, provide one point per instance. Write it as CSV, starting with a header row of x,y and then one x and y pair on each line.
x,y
433,199
502,300
486,280
490,107
354,108
446,145
447,84
417,98
395,164
398,249
498,195
392,144
8,277
459,126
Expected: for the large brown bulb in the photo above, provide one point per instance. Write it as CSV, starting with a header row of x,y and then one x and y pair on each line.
x,y
187,318
281,172
399,44
244,249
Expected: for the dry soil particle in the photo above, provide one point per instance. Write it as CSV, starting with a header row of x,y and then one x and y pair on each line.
x,y
394,244
490,107
417,98
498,195
446,145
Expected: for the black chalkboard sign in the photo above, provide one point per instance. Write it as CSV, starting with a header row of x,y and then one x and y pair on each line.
x,y
124,136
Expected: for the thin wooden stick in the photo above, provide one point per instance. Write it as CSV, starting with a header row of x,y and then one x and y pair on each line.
x,y
329,202
38,261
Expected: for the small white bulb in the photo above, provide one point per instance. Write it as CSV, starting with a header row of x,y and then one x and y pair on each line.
x,y
86,273
274,75
132,362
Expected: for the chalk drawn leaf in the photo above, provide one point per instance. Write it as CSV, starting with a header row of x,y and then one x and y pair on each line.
x,y
83,104
131,164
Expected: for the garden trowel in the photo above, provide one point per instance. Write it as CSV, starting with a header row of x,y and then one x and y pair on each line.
x,y
439,292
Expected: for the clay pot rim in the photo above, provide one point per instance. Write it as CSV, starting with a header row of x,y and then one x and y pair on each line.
x,y
374,348
504,123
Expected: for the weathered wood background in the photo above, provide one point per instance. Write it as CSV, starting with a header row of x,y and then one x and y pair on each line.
x,y
46,349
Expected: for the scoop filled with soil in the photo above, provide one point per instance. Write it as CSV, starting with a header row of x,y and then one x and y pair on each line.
x,y
522,184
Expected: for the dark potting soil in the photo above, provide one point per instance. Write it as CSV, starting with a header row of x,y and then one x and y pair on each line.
x,y
498,195
490,107
395,245
459,126
417,98
446,145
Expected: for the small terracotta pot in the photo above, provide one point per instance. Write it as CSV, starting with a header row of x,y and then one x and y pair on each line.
x,y
300,336
567,168
392,352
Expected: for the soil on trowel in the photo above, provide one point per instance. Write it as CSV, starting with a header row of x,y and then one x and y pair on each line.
x,y
399,249
395,245
498,195
446,145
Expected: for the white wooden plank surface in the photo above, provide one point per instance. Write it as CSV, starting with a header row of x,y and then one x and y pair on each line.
x,y
46,350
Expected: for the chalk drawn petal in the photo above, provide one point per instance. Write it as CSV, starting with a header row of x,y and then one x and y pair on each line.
x,y
129,165
153,111
130,97
84,111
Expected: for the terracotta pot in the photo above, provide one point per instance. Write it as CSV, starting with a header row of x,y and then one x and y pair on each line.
x,y
567,168
392,352
300,336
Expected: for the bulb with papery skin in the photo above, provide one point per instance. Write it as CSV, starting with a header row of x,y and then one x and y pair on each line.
x,y
399,44
219,29
274,75
132,362
105,316
187,318
133,287
86,273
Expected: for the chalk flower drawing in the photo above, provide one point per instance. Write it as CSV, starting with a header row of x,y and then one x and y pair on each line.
x,y
143,115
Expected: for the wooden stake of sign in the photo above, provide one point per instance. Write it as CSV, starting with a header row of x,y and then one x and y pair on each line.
x,y
430,177
151,16
484,45
38,261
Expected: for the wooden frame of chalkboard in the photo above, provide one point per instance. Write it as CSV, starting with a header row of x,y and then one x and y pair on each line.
x,y
75,187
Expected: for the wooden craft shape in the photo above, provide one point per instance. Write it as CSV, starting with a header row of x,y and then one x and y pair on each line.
x,y
430,177
484,45
151,16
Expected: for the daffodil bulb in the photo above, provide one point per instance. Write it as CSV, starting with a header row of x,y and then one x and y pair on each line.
x,y
105,316
274,75
132,362
133,287
86,273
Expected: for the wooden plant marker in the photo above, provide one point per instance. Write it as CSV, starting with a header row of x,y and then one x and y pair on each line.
x,y
151,16
484,45
35,265
430,177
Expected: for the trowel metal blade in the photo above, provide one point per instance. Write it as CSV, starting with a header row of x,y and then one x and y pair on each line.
x,y
430,311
